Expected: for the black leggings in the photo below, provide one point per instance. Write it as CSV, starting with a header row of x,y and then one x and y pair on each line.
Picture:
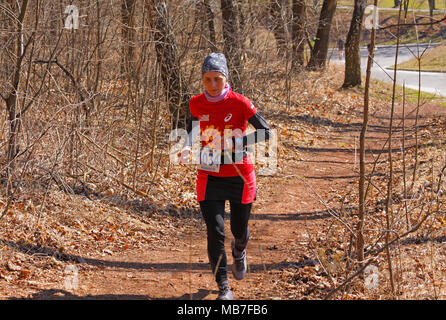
x,y
213,213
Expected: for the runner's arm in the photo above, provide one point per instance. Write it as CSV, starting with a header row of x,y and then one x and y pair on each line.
x,y
189,127
259,123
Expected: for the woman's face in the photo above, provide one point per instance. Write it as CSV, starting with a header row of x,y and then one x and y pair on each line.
x,y
214,82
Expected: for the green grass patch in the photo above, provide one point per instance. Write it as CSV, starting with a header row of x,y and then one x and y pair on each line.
x,y
383,91
432,60
413,4
410,34
411,38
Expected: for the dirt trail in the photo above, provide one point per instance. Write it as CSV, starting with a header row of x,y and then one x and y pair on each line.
x,y
286,217
287,222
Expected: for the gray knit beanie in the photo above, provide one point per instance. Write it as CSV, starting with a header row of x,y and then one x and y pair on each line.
x,y
215,62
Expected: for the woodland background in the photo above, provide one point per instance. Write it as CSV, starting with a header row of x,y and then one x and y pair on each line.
x,y
87,111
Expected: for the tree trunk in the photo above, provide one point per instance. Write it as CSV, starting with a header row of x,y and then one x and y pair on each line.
x,y
278,25
11,107
362,162
298,35
174,85
431,9
13,87
128,58
352,57
211,25
232,48
319,53
205,16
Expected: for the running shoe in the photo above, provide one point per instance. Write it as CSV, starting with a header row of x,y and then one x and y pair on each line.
x,y
224,292
239,266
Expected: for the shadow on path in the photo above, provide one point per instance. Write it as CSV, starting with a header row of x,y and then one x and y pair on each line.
x,y
152,267
368,151
59,294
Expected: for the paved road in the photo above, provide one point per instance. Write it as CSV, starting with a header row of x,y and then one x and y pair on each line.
x,y
431,82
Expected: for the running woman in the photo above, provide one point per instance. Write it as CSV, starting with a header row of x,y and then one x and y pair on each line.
x,y
223,116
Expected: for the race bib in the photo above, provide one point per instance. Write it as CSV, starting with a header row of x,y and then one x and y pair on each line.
x,y
210,159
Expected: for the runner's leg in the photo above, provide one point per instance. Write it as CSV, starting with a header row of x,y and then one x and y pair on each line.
x,y
213,213
240,214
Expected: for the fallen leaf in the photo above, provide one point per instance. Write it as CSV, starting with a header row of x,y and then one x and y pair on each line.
x,y
13,267
24,274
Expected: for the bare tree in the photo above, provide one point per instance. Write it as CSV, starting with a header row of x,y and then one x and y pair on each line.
x,y
362,164
431,8
276,10
320,49
431,4
209,14
205,16
166,51
128,36
15,18
232,45
352,57
298,33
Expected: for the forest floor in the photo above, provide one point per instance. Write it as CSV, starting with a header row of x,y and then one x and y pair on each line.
x,y
101,248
